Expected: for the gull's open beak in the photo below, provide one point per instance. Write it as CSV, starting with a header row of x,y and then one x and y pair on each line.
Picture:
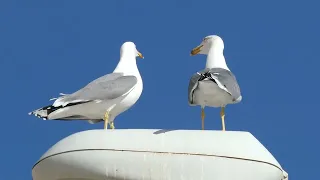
x,y
196,50
140,55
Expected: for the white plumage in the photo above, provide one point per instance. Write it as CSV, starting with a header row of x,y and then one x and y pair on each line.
x,y
104,98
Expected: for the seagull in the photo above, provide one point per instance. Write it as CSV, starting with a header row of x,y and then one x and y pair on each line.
x,y
102,99
214,86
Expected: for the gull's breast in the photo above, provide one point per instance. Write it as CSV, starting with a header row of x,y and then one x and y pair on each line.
x,y
130,99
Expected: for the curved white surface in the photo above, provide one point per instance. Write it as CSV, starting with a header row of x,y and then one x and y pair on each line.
x,y
136,154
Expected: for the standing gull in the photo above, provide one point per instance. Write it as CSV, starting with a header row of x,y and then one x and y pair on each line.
x,y
214,86
104,98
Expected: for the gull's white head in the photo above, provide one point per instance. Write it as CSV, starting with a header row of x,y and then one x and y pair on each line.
x,y
209,42
129,48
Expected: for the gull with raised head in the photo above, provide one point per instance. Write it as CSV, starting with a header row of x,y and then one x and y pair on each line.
x,y
216,85
104,98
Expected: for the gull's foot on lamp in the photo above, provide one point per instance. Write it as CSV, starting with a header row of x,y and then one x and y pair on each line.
x,y
112,125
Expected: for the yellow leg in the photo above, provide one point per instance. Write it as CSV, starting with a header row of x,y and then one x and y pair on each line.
x,y
202,118
222,118
111,125
106,118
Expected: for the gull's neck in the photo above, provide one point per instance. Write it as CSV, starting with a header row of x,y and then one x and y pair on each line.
x,y
127,65
215,59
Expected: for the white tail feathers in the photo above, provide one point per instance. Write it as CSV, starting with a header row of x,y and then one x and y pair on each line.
x,y
61,95
52,99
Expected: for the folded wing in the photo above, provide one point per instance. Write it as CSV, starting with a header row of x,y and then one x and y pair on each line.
x,y
106,87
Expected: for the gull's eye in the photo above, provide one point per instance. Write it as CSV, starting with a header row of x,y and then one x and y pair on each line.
x,y
205,39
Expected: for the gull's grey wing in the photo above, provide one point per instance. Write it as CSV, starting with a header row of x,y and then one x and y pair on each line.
x,y
193,84
228,80
106,87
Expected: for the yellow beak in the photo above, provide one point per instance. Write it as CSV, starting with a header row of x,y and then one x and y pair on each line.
x,y
196,50
140,55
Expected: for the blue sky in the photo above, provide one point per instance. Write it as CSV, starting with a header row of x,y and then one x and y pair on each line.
x,y
48,47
